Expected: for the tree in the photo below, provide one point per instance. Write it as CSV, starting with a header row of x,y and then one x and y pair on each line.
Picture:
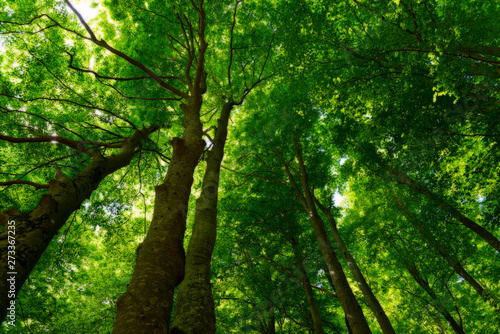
x,y
227,127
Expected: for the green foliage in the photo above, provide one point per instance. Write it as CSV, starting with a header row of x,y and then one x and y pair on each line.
x,y
357,86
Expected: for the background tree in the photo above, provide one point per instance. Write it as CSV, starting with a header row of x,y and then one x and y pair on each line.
x,y
392,104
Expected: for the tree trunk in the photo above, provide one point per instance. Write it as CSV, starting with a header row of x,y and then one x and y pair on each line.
x,y
311,301
459,269
147,304
350,305
268,327
435,300
371,300
470,224
35,229
194,309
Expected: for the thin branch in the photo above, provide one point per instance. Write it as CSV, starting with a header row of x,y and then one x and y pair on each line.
x,y
76,144
122,55
298,278
97,75
231,44
29,183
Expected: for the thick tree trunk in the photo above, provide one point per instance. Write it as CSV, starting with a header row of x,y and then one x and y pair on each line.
x,y
194,309
350,305
452,262
470,224
147,304
311,301
435,300
371,300
35,229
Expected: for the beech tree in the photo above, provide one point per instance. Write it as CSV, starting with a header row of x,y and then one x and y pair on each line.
x,y
176,166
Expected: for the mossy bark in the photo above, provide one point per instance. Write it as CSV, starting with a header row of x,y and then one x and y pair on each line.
x,y
146,305
194,309
35,229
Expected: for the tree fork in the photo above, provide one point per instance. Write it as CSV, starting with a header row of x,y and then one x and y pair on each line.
x,y
194,309
35,229
147,304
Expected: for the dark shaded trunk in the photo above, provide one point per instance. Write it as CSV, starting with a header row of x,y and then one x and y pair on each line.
x,y
350,305
311,301
452,262
35,229
194,309
470,224
435,300
371,300
269,326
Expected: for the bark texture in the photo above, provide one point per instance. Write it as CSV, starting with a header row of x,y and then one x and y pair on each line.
x,y
35,229
467,222
350,305
194,309
370,297
147,304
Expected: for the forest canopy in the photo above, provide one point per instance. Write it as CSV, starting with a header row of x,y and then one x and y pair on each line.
x,y
182,166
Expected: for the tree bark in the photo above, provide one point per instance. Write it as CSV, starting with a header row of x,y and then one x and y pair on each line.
x,y
194,309
467,222
311,301
147,304
350,305
371,300
35,229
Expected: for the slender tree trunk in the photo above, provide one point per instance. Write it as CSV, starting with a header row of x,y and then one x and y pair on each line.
x,y
311,301
194,309
371,300
35,229
350,305
452,262
470,224
439,324
267,322
435,300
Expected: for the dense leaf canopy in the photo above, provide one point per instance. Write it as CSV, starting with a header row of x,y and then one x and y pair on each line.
x,y
379,119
